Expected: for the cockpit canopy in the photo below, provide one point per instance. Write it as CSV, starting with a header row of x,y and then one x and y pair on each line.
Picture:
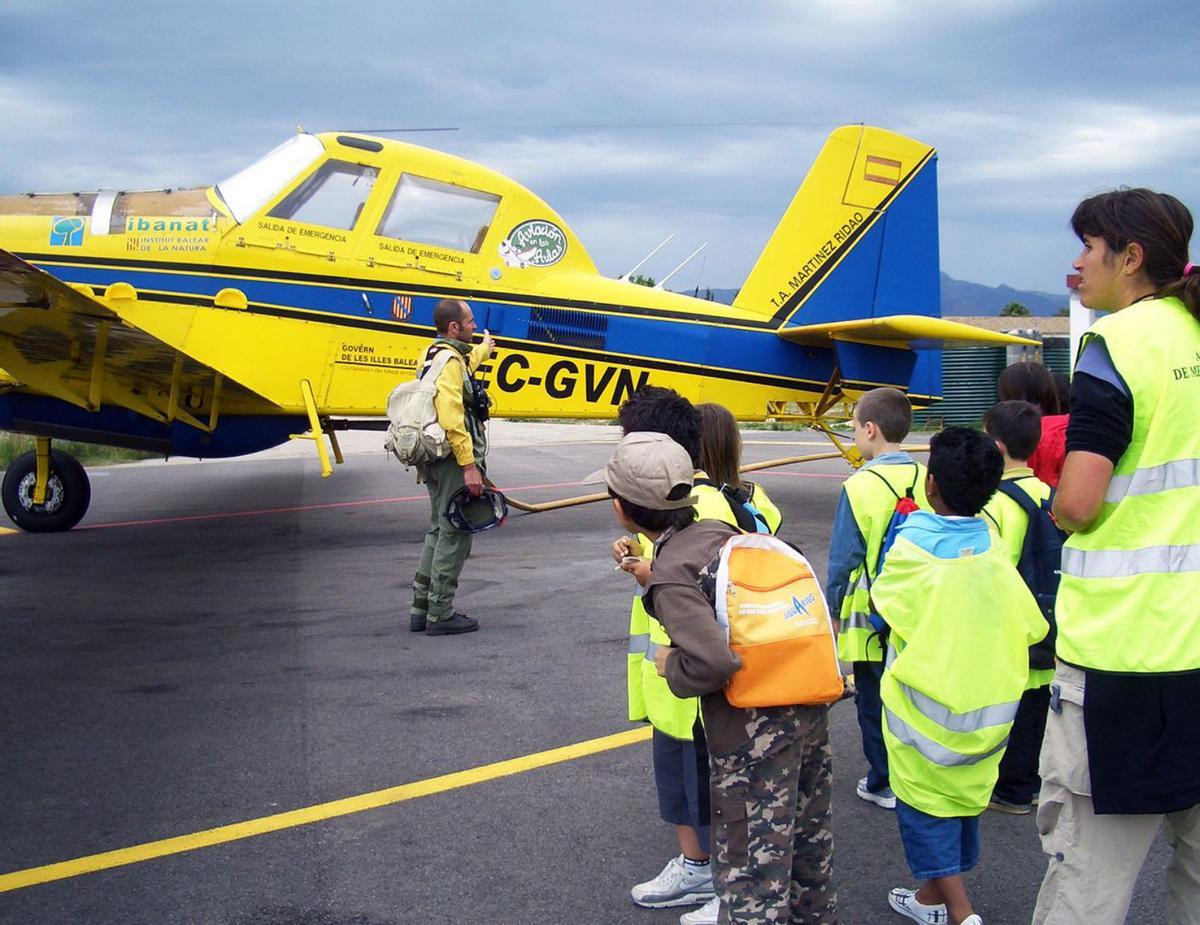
x,y
253,187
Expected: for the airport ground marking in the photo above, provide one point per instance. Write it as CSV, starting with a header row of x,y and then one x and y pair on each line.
x,y
63,870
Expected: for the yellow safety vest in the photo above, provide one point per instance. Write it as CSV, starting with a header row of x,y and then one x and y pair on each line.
x,y
957,664
1009,524
649,696
1130,583
873,505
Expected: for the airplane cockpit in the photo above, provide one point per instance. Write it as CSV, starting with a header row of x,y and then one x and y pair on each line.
x,y
421,210
390,204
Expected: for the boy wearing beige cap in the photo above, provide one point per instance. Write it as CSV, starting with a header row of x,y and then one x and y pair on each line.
x,y
771,766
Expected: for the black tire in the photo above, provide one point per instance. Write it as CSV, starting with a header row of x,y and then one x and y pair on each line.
x,y
67,496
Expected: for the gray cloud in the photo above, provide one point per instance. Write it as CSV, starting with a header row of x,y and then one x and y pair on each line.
x,y
632,120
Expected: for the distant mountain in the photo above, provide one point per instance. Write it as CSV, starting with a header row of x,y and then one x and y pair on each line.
x,y
960,297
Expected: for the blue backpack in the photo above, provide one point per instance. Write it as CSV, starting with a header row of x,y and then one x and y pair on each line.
x,y
1040,564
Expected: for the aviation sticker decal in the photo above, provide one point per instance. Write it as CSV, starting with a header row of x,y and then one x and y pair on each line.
x,y
66,232
535,243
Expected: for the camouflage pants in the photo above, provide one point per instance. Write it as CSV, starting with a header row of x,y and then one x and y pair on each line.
x,y
771,805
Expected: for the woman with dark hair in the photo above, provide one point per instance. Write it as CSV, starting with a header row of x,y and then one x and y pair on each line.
x,y
1122,743
1033,383
721,461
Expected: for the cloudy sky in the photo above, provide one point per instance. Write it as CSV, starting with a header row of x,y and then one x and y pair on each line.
x,y
634,120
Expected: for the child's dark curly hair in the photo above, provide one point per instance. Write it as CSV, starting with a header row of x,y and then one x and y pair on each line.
x,y
967,466
663,411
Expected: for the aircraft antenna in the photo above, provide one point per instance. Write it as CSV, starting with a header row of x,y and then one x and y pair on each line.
x,y
662,282
625,278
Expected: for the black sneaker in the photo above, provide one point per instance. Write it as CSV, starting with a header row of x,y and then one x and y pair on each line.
x,y
416,622
452,625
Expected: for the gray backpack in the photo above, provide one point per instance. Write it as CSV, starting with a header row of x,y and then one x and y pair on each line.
x,y
415,437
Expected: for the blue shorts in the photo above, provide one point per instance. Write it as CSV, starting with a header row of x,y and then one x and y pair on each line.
x,y
681,776
937,847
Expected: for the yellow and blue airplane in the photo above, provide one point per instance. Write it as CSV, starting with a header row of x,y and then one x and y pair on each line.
x,y
293,296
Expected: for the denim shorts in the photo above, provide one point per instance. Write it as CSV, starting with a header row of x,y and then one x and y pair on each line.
x,y
937,847
681,776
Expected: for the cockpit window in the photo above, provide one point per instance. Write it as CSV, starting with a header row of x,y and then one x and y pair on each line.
x,y
253,187
333,196
429,212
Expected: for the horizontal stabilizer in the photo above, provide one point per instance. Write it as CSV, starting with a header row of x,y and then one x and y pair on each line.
x,y
914,332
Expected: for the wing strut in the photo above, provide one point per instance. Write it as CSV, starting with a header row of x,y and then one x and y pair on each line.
x,y
820,414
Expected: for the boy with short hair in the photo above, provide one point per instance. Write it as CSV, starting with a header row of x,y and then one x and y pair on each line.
x,y
882,418
771,767
960,622
1016,426
678,747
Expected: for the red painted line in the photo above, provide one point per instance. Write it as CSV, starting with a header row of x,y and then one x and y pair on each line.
x,y
366,502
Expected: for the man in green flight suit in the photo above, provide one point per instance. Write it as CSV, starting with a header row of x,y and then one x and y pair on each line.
x,y
458,411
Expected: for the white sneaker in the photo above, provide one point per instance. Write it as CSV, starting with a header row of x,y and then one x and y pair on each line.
x,y
705,915
884,798
905,902
972,920
678,884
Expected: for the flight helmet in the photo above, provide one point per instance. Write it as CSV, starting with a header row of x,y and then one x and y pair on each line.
x,y
472,514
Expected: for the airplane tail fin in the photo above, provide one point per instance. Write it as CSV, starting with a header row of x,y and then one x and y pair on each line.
x,y
853,264
860,238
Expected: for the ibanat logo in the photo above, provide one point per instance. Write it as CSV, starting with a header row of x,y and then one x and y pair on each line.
x,y
536,243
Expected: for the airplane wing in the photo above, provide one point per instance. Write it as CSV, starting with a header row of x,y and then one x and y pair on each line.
x,y
915,332
61,340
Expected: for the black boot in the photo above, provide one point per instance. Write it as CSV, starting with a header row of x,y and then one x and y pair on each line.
x,y
452,625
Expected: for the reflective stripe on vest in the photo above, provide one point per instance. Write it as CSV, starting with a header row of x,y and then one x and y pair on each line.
x,y
931,750
1170,476
1128,563
639,643
857,620
972,721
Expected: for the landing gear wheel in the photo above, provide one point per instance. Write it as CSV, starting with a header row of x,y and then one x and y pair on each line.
x,y
68,493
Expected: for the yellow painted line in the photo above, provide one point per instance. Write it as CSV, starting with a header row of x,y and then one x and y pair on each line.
x,y
19,879
4,530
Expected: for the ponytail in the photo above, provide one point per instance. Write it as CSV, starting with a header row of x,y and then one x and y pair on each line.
x,y
1186,289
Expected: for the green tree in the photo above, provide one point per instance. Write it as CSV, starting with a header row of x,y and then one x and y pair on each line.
x,y
640,280
1014,310
1064,312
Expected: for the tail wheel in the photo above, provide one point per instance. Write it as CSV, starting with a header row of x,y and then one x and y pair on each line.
x,y
68,493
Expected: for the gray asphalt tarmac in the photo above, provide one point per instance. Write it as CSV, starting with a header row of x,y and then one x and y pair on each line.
x,y
225,641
